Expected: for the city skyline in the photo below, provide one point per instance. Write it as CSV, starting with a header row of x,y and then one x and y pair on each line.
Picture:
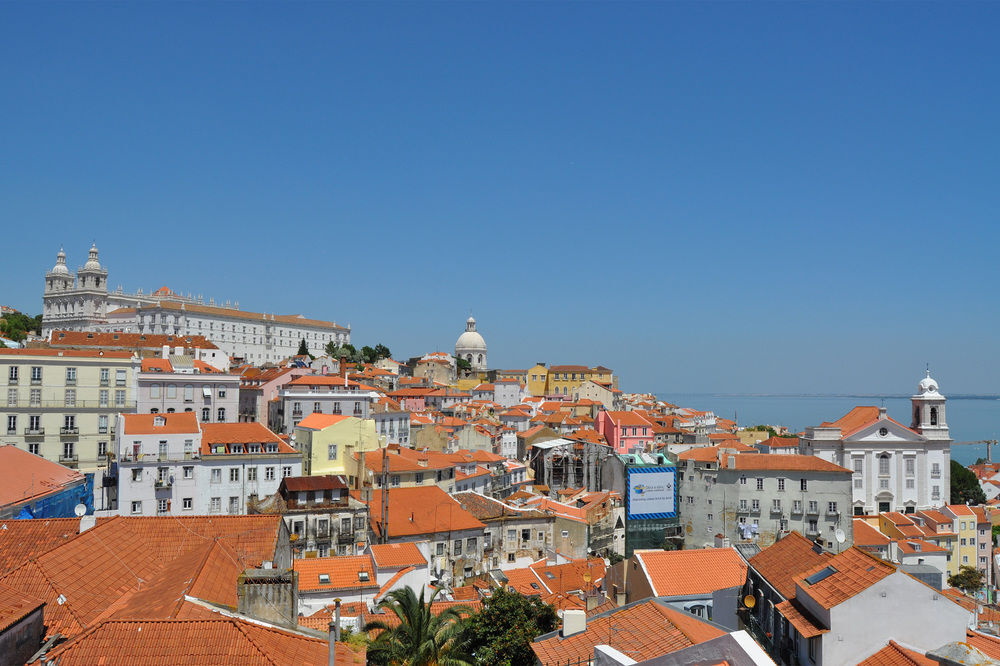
x,y
804,206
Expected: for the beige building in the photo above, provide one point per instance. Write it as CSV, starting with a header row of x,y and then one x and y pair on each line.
x,y
63,404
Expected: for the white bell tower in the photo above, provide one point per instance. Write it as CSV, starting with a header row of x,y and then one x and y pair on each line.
x,y
929,410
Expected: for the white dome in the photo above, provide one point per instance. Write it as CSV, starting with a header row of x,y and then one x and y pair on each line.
x,y
60,266
92,263
470,341
928,384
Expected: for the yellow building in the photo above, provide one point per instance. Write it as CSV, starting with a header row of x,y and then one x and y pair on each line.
x,y
963,520
328,443
537,379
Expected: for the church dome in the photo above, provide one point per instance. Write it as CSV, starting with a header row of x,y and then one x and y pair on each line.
x,y
92,263
471,340
60,267
927,384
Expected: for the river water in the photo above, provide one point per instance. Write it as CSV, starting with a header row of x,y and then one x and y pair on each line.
x,y
969,418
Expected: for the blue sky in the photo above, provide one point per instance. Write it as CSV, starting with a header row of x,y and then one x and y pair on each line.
x,y
705,197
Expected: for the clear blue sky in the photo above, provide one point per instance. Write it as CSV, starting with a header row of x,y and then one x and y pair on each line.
x,y
704,197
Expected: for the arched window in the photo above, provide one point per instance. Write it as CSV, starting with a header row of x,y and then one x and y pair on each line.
x,y
480,359
222,414
933,415
206,414
154,410
883,464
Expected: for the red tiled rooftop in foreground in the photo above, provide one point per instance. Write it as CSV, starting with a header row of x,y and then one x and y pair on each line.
x,y
895,654
696,571
421,510
854,572
14,606
390,555
181,423
349,572
25,477
643,630
780,562
203,642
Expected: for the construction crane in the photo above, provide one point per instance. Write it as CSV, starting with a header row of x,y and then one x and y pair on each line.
x,y
989,446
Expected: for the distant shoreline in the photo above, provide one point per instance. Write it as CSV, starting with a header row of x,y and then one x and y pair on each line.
x,y
887,396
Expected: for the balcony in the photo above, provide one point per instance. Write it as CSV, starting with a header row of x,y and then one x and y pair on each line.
x,y
68,432
69,460
345,537
36,382
813,511
12,381
775,510
797,510
163,484
105,382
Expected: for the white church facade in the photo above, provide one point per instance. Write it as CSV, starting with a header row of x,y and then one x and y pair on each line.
x,y
83,303
471,346
895,468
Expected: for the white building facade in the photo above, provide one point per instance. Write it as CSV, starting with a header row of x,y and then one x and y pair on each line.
x,y
895,468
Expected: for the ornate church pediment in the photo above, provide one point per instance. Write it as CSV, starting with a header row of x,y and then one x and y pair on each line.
x,y
884,431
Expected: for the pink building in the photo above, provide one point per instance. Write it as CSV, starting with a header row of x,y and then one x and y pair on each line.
x,y
625,431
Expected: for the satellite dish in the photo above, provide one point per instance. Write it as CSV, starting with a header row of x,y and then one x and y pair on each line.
x,y
841,537
80,510
749,601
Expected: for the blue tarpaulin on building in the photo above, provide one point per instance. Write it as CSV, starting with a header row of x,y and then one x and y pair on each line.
x,y
63,503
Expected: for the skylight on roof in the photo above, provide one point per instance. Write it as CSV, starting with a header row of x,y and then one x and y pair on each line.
x,y
324,579
363,576
825,573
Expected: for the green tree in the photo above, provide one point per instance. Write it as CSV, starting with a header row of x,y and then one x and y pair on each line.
x,y
965,486
501,633
969,579
463,364
368,354
381,351
303,349
332,349
422,638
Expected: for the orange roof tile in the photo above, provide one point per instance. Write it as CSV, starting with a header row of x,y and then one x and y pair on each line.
x,y
205,642
344,573
181,423
15,606
780,562
895,654
800,618
421,510
697,571
854,572
856,419
643,630
866,535
988,645
319,421
388,555
129,340
25,477
252,432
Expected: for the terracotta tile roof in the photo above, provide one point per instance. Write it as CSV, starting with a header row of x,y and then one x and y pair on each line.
x,y
323,380
421,510
181,423
15,605
26,477
866,535
297,484
296,320
912,546
643,630
781,442
856,419
787,463
627,419
319,421
780,562
156,365
253,432
895,654
390,584
584,575
129,340
697,571
195,643
21,540
526,581
345,573
988,645
800,618
389,555
854,572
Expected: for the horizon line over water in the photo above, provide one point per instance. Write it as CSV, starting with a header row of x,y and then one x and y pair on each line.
x,y
969,417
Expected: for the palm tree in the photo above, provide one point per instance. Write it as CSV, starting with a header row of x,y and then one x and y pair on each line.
x,y
422,637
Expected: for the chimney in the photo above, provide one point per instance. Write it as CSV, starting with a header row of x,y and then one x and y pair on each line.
x,y
881,413
332,629
166,351
574,622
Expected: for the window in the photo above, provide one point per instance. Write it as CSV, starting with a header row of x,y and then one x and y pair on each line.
x,y
860,483
102,424
69,422
120,399
12,397
216,475
171,391
797,506
188,447
188,472
565,534
222,392
36,375
776,505
154,391
419,477
137,474
813,506
812,526
883,464
71,375
859,465
269,474
102,449
743,480
119,378
33,448
34,423
206,414
470,544
105,373
440,548
457,549
831,507
215,505
221,414
909,484
12,373
760,483
161,506
510,557
781,484
137,507
755,505
910,465
286,471
71,397
11,424
234,505
234,474
935,492
251,473
709,517
936,470
187,504
35,398
803,485
743,505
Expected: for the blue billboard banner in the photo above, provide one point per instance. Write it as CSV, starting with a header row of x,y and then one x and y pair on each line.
x,y
651,492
